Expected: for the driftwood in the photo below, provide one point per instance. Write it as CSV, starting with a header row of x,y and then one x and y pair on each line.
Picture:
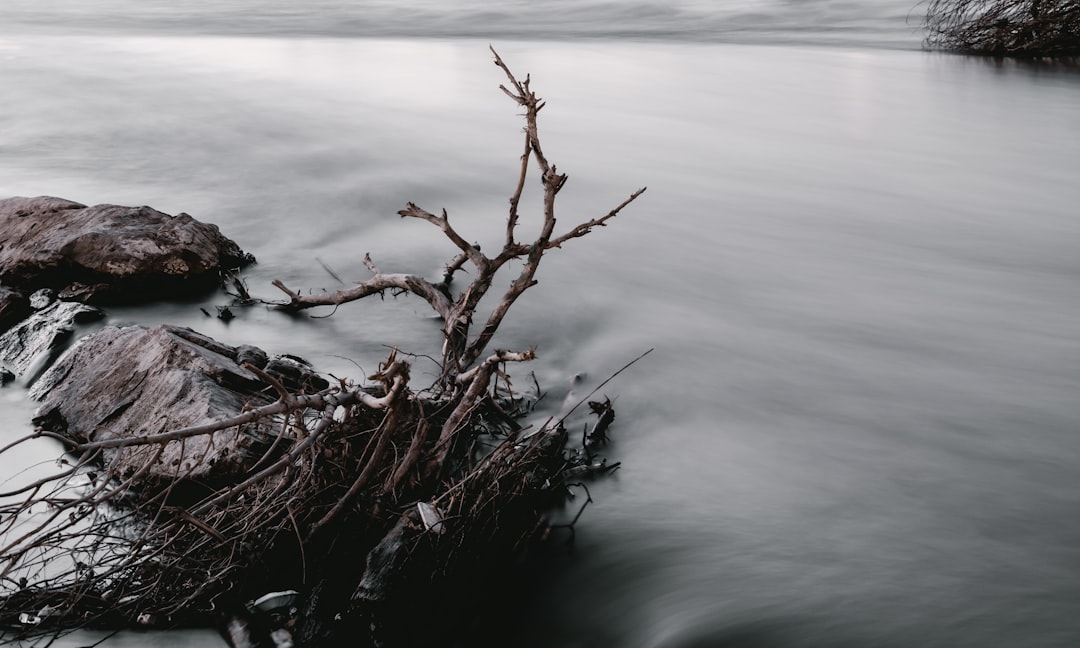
x,y
366,505
1018,28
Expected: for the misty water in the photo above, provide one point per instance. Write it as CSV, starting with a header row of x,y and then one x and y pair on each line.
x,y
858,264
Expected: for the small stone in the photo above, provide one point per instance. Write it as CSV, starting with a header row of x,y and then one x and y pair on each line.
x,y
296,374
42,298
252,355
77,291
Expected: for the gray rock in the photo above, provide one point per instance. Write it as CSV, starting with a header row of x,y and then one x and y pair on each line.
x,y
134,381
29,346
42,298
252,355
109,252
295,374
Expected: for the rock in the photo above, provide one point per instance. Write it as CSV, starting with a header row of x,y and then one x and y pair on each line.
x,y
134,381
13,307
41,299
109,252
296,374
252,355
29,346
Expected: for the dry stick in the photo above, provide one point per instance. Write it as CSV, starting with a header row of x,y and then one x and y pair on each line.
x,y
508,447
456,264
552,182
40,536
457,315
384,432
585,228
283,394
478,378
228,494
601,385
199,524
23,439
496,358
299,544
290,403
324,422
376,285
36,485
132,555
443,223
515,199
277,407
41,528
416,446
273,446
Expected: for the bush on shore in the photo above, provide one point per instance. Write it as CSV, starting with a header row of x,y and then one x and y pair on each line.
x,y
1020,28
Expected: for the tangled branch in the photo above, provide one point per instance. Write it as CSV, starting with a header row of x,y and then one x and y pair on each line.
x,y
1022,28
460,351
350,496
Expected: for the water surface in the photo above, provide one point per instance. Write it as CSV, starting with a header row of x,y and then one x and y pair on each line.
x,y
857,263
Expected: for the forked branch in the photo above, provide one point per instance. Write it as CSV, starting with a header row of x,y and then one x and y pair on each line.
x,y
334,488
462,349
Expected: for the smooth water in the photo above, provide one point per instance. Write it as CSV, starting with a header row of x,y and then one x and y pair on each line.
x,y
859,266
874,23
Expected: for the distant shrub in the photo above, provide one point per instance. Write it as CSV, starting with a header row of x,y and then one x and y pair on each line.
x,y
1022,28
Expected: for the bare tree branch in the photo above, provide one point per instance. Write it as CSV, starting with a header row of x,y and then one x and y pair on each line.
x,y
443,223
585,228
459,351
374,286
171,549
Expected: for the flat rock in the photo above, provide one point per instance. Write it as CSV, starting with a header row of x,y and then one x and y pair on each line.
x,y
29,346
109,252
135,381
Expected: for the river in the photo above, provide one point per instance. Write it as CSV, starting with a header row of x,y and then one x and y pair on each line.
x,y
858,264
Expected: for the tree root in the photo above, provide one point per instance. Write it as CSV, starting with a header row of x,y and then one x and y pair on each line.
x,y
356,509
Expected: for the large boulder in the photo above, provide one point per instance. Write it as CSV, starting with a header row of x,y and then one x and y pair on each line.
x,y
109,252
135,381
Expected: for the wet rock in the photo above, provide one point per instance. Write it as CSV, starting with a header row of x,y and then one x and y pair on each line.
x,y
13,307
295,374
135,381
109,252
252,355
41,299
28,347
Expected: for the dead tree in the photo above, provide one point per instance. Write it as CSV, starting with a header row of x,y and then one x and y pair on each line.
x,y
1016,28
368,500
